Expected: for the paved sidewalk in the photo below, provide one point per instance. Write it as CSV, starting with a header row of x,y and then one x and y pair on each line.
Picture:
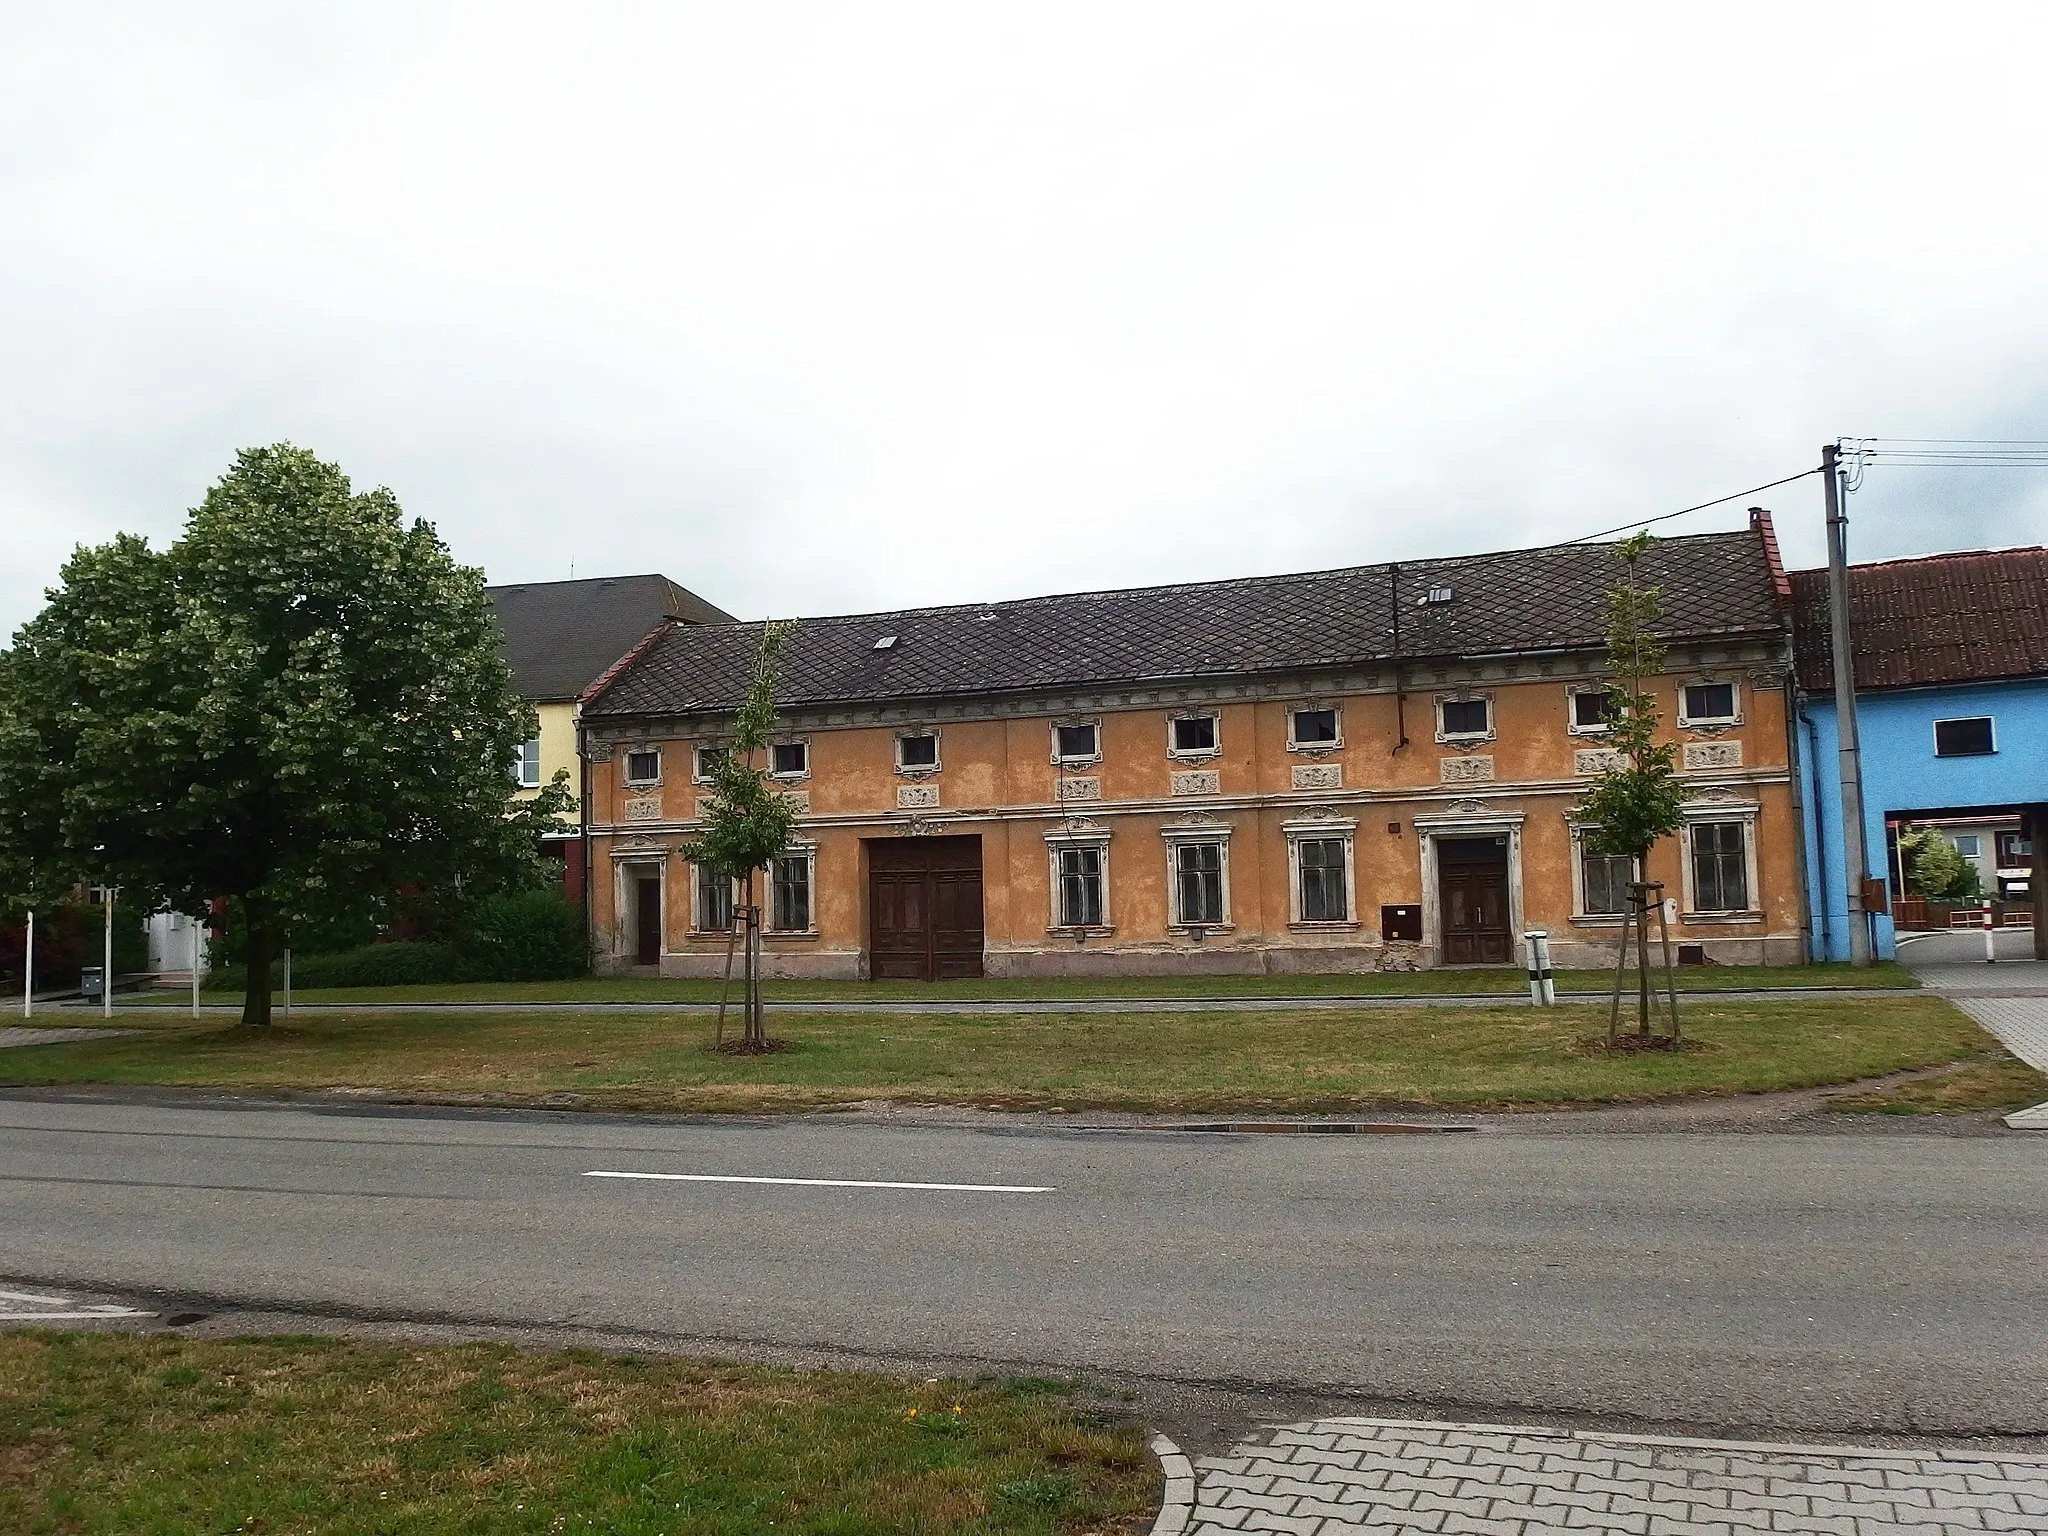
x,y
1347,1477
22,1035
2010,999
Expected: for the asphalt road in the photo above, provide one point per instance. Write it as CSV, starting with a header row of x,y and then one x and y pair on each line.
x,y
1844,1282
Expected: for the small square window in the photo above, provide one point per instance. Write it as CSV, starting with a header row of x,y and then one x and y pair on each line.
x,y
789,759
1708,703
920,751
1963,738
1465,717
1967,845
709,761
1590,711
643,767
1194,733
1076,743
1315,727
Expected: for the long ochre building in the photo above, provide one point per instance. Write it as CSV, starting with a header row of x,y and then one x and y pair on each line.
x,y
1369,768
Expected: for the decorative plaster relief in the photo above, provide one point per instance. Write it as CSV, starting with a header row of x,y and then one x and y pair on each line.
x,y
1713,754
1202,781
599,752
703,809
1077,789
798,800
917,797
1597,760
644,808
1465,770
1322,776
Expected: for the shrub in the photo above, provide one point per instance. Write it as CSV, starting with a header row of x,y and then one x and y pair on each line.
x,y
529,936
373,965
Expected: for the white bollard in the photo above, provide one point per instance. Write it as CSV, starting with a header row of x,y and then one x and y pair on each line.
x,y
196,932
1990,938
1549,984
1542,992
28,968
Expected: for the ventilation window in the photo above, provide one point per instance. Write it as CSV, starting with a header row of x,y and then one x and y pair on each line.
x,y
1708,703
1590,711
1076,743
1435,595
709,761
886,643
1963,738
919,751
1314,728
1465,717
643,767
1193,735
789,759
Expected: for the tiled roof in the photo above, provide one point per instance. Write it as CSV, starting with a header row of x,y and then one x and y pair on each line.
x,y
1534,599
560,636
1970,617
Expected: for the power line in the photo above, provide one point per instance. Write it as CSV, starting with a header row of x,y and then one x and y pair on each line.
x,y
1718,501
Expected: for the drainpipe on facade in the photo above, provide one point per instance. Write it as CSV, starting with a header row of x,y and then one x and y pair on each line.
x,y
1820,837
583,827
1792,717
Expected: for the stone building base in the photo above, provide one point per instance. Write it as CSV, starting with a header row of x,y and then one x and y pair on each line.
x,y
1598,954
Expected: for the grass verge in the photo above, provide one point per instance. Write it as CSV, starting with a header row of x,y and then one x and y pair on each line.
x,y
1997,1083
117,1434
1299,1062
1506,982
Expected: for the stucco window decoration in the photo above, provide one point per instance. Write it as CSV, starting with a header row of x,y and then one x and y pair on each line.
x,y
1076,742
917,752
1320,870
1464,719
792,877
1315,728
1192,737
1964,738
704,763
526,764
1198,875
711,901
1080,881
789,760
643,766
1586,710
1709,704
1718,860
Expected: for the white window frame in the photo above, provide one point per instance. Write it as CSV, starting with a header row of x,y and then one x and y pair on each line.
x,y
808,852
698,873
1179,837
1057,842
1976,848
1335,828
1580,853
1934,731
1202,754
1079,759
1744,812
1572,694
801,774
1466,738
1336,712
1689,722
697,751
526,766
938,750
626,767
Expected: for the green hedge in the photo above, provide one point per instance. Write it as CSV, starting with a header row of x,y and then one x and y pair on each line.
x,y
533,936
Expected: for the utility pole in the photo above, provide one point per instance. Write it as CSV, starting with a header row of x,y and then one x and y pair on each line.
x,y
1855,867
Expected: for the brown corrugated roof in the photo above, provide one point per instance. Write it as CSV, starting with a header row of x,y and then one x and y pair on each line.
x,y
1970,617
1524,600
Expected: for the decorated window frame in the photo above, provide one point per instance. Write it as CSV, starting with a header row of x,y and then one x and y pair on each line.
x,y
1322,829
1449,738
1197,835
917,732
1687,721
1330,707
1065,840
1179,754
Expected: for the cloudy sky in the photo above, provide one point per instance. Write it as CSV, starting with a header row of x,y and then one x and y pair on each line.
x,y
829,308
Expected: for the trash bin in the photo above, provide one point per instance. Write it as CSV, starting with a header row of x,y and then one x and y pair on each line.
x,y
92,982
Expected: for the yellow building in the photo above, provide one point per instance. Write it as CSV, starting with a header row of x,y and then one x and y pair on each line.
x,y
1345,770
562,636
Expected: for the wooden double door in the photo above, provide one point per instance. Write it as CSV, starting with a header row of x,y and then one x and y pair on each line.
x,y
924,908
1472,882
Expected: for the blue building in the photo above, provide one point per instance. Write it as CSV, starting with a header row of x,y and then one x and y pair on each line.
x,y
1951,658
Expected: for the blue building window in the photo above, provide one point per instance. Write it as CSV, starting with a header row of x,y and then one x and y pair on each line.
x,y
1963,738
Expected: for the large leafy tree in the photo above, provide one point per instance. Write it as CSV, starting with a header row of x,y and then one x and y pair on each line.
x,y
301,706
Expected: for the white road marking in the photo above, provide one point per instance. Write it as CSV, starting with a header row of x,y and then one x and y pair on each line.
x,y
50,1301
86,1314
734,1178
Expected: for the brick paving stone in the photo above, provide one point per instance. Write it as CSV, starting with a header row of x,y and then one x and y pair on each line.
x,y
1354,1476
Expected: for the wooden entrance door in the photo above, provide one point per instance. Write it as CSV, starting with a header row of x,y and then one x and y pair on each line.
x,y
647,919
1472,877
924,908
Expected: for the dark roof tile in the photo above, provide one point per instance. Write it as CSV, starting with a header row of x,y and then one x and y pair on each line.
x,y
1969,617
560,636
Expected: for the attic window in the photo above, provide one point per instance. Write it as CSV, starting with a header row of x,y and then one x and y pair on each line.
x,y
1435,595
886,643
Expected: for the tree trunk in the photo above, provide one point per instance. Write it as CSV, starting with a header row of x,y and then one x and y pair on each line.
x,y
1643,964
262,946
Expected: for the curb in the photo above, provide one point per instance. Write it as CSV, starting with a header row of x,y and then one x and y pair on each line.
x,y
1178,1507
2035,1119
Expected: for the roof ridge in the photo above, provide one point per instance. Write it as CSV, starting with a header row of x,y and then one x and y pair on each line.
x,y
1931,558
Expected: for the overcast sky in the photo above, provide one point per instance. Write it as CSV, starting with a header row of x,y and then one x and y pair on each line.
x,y
855,306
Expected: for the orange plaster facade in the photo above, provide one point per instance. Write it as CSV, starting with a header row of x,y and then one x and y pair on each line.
x,y
1413,821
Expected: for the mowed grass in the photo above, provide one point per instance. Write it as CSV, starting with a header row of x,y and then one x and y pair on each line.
x,y
116,1435
1996,1083
1488,982
1305,1061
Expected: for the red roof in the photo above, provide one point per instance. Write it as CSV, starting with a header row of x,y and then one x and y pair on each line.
x,y
1975,616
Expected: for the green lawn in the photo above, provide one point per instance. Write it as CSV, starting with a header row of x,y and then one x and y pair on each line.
x,y
1307,1061
125,1435
1489,982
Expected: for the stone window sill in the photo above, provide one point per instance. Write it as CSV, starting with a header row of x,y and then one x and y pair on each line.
x,y
1190,930
1720,917
1086,930
1307,925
